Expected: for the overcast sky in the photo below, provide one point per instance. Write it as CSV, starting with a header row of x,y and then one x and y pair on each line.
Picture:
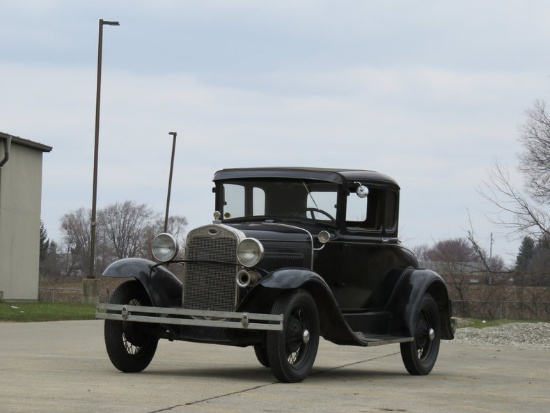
x,y
430,93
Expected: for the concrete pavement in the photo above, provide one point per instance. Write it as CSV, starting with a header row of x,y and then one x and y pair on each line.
x,y
63,367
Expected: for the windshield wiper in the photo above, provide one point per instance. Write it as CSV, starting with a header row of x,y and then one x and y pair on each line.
x,y
309,193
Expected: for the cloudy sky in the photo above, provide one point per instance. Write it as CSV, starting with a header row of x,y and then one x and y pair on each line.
x,y
430,93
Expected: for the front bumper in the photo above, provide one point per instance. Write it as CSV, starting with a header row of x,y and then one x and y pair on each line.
x,y
180,316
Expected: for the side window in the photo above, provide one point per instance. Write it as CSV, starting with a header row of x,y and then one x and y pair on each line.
x,y
233,201
258,201
243,201
356,211
365,213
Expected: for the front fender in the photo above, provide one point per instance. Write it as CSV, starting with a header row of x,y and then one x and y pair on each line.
x,y
163,287
290,278
333,325
407,296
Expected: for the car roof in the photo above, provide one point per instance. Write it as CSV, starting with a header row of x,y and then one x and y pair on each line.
x,y
336,175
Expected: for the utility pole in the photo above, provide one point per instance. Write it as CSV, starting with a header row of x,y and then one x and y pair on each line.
x,y
174,134
96,144
491,249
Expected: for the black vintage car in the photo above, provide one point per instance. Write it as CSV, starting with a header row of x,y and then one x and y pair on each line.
x,y
294,254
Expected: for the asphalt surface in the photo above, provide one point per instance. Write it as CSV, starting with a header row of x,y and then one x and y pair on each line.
x,y
63,367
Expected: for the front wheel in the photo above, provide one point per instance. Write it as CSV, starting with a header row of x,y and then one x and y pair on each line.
x,y
291,352
419,355
129,346
261,354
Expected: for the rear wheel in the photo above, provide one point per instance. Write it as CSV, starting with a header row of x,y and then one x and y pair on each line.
x,y
129,346
291,353
419,355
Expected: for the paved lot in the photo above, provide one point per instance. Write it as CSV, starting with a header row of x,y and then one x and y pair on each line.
x,y
63,367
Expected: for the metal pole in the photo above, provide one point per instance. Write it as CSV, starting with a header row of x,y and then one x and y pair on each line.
x,y
96,145
174,134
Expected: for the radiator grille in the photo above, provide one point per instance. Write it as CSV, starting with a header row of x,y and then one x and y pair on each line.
x,y
210,285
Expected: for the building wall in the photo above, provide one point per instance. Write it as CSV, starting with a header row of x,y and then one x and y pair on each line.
x,y
20,202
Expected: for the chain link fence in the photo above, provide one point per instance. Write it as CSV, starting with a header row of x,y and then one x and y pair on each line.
x,y
532,309
54,295
74,293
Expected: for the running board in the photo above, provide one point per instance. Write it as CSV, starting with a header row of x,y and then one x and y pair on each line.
x,y
378,340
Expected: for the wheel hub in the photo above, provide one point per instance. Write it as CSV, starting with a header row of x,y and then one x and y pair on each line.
x,y
431,334
298,335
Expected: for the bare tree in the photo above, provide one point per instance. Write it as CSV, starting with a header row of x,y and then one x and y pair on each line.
x,y
124,225
535,158
452,250
76,235
176,227
522,215
526,212
456,261
421,252
123,230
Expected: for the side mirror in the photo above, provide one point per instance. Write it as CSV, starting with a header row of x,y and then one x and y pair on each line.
x,y
361,191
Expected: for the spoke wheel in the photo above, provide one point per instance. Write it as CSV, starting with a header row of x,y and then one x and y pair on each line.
x,y
291,353
420,355
129,346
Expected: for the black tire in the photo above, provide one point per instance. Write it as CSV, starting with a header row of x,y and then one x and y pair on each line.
x,y
420,355
129,346
291,353
261,354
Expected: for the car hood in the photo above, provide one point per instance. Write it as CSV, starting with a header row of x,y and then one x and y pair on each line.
x,y
285,246
273,231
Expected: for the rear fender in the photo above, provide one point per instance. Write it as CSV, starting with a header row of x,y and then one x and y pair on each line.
x,y
407,296
163,287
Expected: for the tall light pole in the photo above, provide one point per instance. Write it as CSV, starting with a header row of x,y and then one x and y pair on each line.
x,y
174,134
96,144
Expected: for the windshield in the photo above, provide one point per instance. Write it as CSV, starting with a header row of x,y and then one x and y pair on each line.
x,y
288,199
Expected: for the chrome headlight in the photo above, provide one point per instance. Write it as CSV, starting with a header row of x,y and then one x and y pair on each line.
x,y
164,247
250,252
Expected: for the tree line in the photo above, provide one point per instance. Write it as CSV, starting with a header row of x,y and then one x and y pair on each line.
x,y
483,285
525,211
124,229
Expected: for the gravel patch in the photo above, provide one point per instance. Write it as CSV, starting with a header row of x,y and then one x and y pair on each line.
x,y
532,335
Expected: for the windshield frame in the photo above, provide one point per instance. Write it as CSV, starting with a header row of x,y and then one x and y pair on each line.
x,y
285,200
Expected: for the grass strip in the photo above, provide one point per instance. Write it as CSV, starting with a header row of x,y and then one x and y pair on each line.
x,y
44,311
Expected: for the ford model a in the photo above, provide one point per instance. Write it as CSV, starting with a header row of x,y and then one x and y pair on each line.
x,y
294,254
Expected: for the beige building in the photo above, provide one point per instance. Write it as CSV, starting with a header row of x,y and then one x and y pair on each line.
x,y
20,201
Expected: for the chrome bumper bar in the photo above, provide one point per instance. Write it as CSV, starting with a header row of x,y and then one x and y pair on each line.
x,y
181,316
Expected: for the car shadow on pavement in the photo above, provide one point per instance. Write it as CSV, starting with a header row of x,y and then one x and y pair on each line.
x,y
260,374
